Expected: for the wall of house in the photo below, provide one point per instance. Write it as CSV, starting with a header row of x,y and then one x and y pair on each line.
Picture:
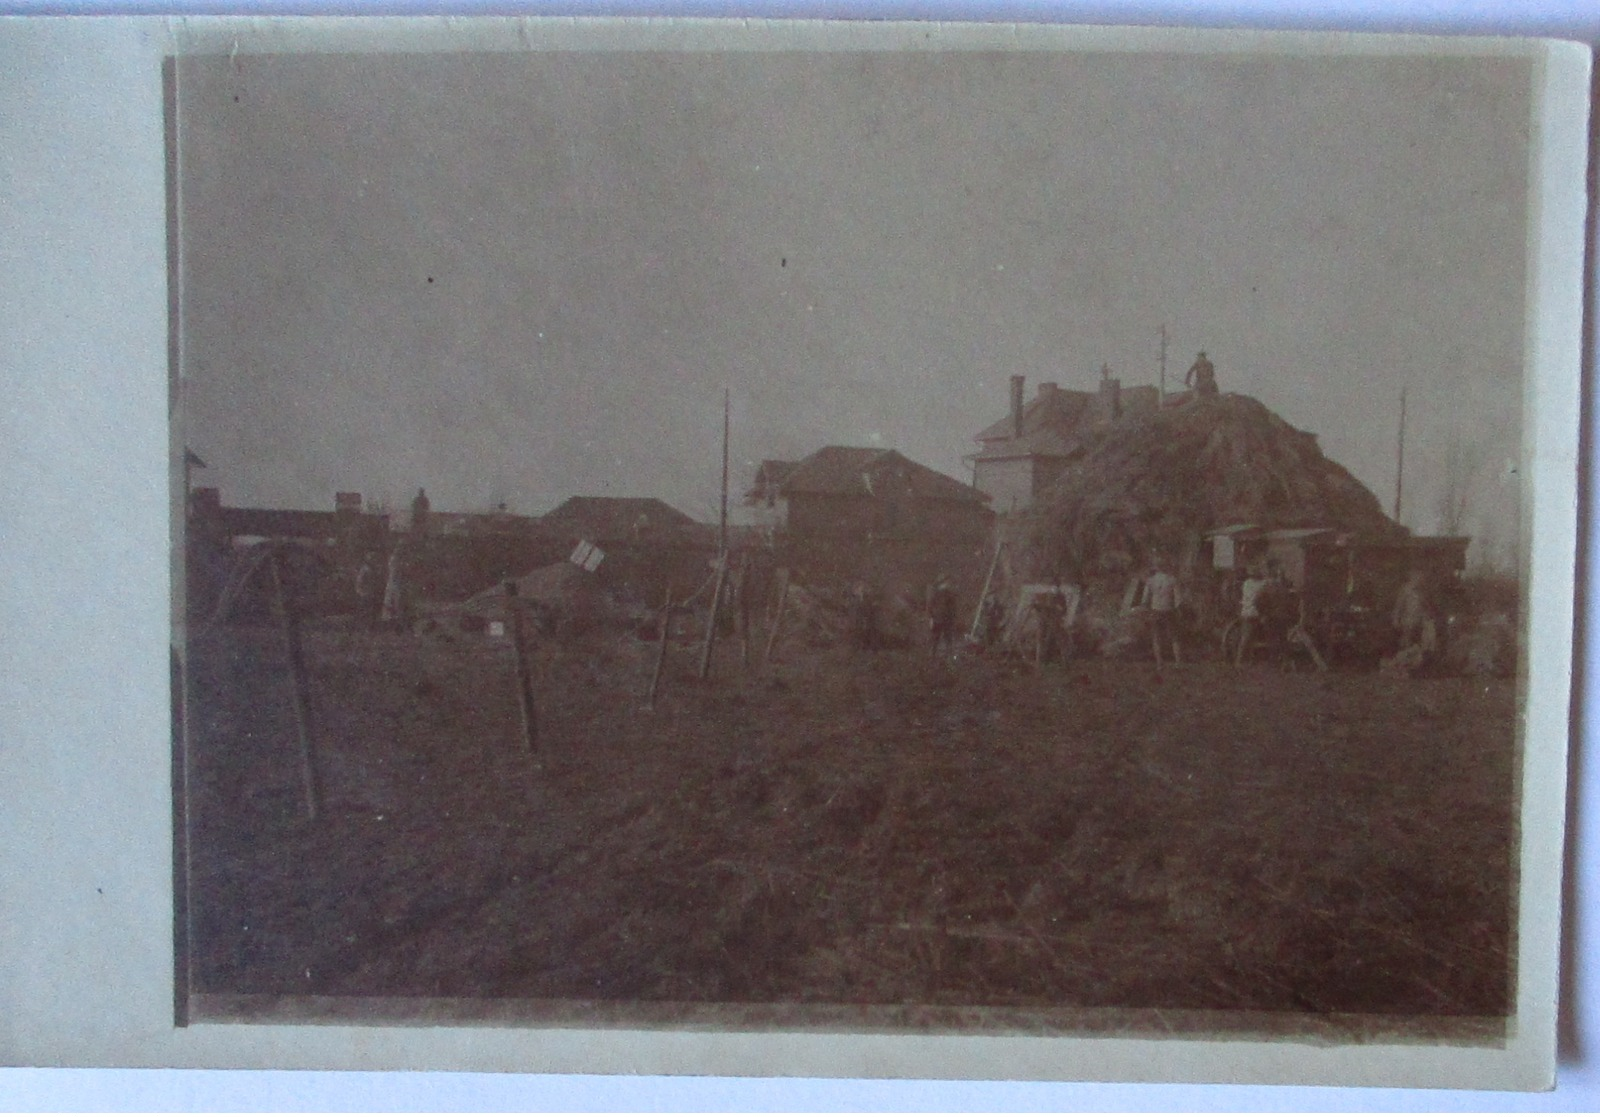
x,y
1009,483
864,517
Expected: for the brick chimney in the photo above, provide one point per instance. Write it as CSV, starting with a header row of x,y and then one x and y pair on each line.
x,y
1016,405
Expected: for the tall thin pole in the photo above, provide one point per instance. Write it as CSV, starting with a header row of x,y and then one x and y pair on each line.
x,y
722,529
1161,392
1400,458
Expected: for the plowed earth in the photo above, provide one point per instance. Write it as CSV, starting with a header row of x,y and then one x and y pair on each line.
x,y
846,828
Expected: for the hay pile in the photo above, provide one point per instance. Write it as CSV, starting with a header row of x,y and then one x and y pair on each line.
x,y
1159,481
567,599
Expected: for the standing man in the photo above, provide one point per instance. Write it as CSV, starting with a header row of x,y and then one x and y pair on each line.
x,y
394,593
1202,376
1050,615
420,506
1411,616
863,617
1249,611
367,599
1162,597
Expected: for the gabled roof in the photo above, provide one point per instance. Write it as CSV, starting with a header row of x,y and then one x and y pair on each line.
x,y
1053,412
870,472
770,475
614,517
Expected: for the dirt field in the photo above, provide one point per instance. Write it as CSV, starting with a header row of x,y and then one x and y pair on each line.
x,y
848,828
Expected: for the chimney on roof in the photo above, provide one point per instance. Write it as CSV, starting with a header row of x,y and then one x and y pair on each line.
x,y
1016,405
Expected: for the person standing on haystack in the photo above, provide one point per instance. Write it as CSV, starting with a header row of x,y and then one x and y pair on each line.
x,y
1161,596
942,616
1202,376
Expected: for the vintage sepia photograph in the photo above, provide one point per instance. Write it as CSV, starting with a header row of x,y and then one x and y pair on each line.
x,y
944,541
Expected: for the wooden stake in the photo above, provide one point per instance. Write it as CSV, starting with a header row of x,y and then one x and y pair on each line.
x,y
290,623
711,621
661,649
741,601
988,580
777,619
519,645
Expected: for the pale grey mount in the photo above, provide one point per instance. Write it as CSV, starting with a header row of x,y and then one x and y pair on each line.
x,y
87,948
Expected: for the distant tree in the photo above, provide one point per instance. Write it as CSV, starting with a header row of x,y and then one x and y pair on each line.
x,y
1462,463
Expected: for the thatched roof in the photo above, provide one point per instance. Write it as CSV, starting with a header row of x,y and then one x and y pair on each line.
x,y
1161,480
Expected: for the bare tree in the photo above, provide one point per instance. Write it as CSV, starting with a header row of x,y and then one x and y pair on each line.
x,y
1463,462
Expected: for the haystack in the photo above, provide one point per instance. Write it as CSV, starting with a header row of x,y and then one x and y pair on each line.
x,y
1156,482
565,597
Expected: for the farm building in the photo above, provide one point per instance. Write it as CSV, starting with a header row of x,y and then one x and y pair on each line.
x,y
846,514
1026,451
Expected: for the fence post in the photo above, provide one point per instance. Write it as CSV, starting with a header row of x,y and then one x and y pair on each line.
x,y
777,620
290,624
711,623
661,649
530,715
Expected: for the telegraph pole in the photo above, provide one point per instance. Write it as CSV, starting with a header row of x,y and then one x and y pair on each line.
x,y
1400,458
722,529
1161,392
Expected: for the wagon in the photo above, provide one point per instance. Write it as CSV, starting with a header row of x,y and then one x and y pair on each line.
x,y
1336,589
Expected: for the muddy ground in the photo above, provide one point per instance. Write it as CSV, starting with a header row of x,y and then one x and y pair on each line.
x,y
847,828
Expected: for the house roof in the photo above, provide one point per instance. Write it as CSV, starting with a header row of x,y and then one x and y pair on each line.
x,y
867,471
770,474
614,517
1050,423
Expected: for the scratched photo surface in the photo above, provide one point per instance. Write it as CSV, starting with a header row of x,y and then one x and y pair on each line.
x,y
953,540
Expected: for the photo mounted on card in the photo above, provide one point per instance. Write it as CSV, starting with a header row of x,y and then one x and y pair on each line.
x,y
874,549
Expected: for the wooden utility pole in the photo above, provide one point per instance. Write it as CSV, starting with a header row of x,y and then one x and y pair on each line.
x,y
1161,392
722,527
722,551
519,645
1400,458
290,622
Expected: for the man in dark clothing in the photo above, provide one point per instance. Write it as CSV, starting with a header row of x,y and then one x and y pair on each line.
x,y
419,513
1202,376
942,616
864,617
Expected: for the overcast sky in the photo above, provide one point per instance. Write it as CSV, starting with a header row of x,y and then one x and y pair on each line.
x,y
518,278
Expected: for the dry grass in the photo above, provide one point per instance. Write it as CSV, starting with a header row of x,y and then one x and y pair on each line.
x,y
865,829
